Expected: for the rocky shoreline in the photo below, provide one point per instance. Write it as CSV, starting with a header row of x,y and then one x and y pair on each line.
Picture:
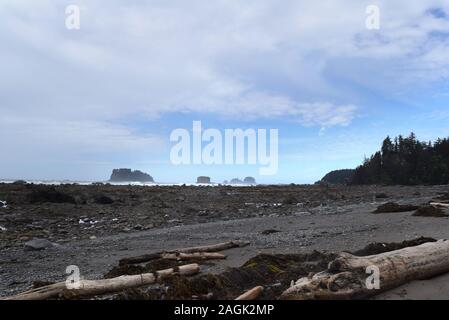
x,y
94,226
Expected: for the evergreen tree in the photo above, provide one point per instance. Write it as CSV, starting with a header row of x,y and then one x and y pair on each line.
x,y
406,161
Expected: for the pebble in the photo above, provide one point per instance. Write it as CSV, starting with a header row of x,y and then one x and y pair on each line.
x,y
39,244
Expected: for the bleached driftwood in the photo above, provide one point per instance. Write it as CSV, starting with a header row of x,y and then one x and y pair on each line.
x,y
346,277
90,288
214,247
192,256
439,204
194,250
252,294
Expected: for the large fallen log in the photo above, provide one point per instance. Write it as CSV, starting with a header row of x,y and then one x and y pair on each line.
x,y
88,288
349,277
194,250
440,204
252,294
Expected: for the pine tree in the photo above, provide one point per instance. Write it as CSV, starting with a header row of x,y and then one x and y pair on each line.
x,y
406,161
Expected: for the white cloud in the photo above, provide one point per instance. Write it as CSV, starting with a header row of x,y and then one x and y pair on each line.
x,y
213,57
23,138
148,59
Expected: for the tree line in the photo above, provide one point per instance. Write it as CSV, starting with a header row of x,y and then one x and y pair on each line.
x,y
406,161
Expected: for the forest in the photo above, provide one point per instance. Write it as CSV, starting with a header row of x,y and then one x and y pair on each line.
x,y
406,161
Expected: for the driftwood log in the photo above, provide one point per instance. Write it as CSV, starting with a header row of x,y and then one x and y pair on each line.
x,y
347,277
198,253
252,294
179,256
439,204
88,288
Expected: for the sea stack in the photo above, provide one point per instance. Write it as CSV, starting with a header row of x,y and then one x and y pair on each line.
x,y
203,179
249,180
127,175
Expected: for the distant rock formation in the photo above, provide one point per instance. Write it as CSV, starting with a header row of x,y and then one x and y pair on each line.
x,y
127,175
338,177
249,180
203,179
20,182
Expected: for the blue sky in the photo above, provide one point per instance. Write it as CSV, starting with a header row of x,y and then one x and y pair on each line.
x,y
74,104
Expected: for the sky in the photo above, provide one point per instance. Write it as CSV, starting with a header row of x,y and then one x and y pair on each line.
x,y
76,103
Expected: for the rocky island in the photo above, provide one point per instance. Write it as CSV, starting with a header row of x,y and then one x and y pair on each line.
x,y
203,179
247,180
128,175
